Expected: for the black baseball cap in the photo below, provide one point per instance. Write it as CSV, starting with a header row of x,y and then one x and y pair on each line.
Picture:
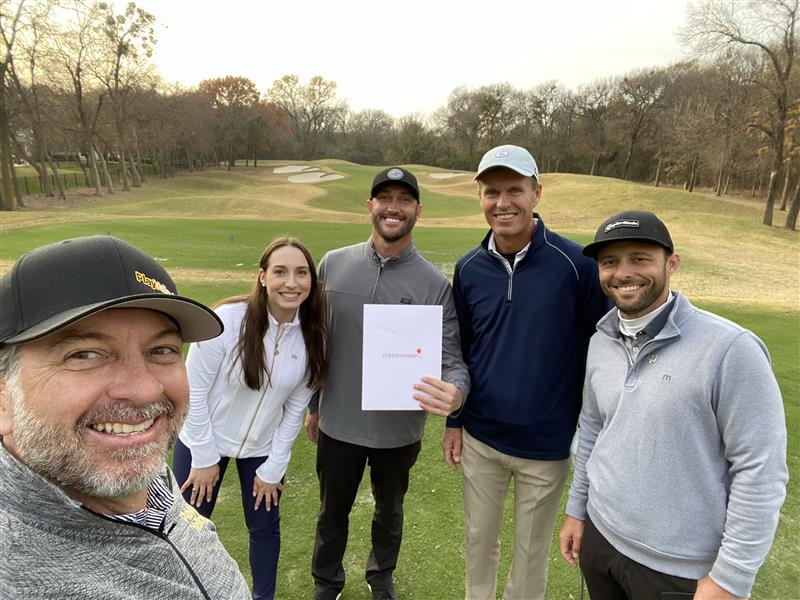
x,y
630,226
395,175
55,285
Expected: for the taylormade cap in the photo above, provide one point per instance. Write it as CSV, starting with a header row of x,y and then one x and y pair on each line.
x,y
55,285
395,175
510,157
630,226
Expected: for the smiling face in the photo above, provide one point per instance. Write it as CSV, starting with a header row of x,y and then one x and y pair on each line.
x,y
393,212
508,200
287,280
635,276
95,406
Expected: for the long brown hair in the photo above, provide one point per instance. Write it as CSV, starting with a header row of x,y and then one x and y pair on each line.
x,y
313,323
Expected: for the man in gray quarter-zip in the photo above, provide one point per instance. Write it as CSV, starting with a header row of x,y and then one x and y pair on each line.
x,y
386,269
681,471
93,391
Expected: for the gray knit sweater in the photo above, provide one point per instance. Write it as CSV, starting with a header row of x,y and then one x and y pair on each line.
x,y
681,462
51,547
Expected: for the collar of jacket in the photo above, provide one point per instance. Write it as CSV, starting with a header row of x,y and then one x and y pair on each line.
x,y
676,316
18,484
293,323
405,255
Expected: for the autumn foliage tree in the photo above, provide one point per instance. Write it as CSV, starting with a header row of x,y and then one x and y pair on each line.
x,y
234,100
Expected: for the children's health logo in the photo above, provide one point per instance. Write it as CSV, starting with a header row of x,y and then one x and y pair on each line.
x,y
416,354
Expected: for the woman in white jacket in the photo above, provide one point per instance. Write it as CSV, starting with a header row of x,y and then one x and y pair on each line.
x,y
249,390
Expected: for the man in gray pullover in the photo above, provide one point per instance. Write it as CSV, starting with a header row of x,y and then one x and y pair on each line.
x,y
386,269
680,471
93,390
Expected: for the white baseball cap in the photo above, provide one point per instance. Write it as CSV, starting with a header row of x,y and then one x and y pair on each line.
x,y
511,157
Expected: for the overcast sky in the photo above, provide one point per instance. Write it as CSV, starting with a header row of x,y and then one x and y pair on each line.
x,y
407,56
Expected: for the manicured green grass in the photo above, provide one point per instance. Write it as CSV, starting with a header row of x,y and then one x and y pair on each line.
x,y
29,171
233,245
70,174
215,256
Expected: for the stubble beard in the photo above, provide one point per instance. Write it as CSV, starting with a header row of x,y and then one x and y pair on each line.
x,y
654,289
408,226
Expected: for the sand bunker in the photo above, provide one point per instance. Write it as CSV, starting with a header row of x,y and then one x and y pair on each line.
x,y
317,177
306,174
445,175
293,169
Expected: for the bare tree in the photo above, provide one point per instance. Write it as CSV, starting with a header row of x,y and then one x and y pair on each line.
x,y
496,105
414,142
641,92
594,112
548,102
794,210
793,160
129,38
76,50
368,136
460,119
24,76
768,28
313,110
9,26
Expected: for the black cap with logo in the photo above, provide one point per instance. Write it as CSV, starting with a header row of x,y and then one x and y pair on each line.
x,y
395,175
55,285
630,226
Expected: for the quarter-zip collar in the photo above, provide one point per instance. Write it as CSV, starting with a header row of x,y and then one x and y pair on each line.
x,y
537,241
54,505
656,322
492,248
274,325
405,255
663,328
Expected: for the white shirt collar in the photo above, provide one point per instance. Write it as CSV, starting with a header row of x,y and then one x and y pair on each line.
x,y
518,257
294,321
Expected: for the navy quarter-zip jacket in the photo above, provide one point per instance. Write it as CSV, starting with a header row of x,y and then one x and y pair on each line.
x,y
524,337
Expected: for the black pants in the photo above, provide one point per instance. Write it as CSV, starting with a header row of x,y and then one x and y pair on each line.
x,y
340,467
612,576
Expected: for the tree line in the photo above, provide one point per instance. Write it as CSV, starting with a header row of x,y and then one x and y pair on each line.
x,y
79,83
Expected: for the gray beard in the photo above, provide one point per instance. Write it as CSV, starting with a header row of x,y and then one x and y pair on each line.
x,y
63,457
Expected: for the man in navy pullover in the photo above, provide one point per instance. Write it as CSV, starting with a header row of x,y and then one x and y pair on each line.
x,y
527,303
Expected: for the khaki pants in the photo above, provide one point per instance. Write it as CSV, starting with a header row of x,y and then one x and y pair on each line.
x,y
537,491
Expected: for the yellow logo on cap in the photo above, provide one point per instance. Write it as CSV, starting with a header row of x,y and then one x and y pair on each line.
x,y
153,283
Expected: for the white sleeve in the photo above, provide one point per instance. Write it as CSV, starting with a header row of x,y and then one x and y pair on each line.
x,y
204,364
274,468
